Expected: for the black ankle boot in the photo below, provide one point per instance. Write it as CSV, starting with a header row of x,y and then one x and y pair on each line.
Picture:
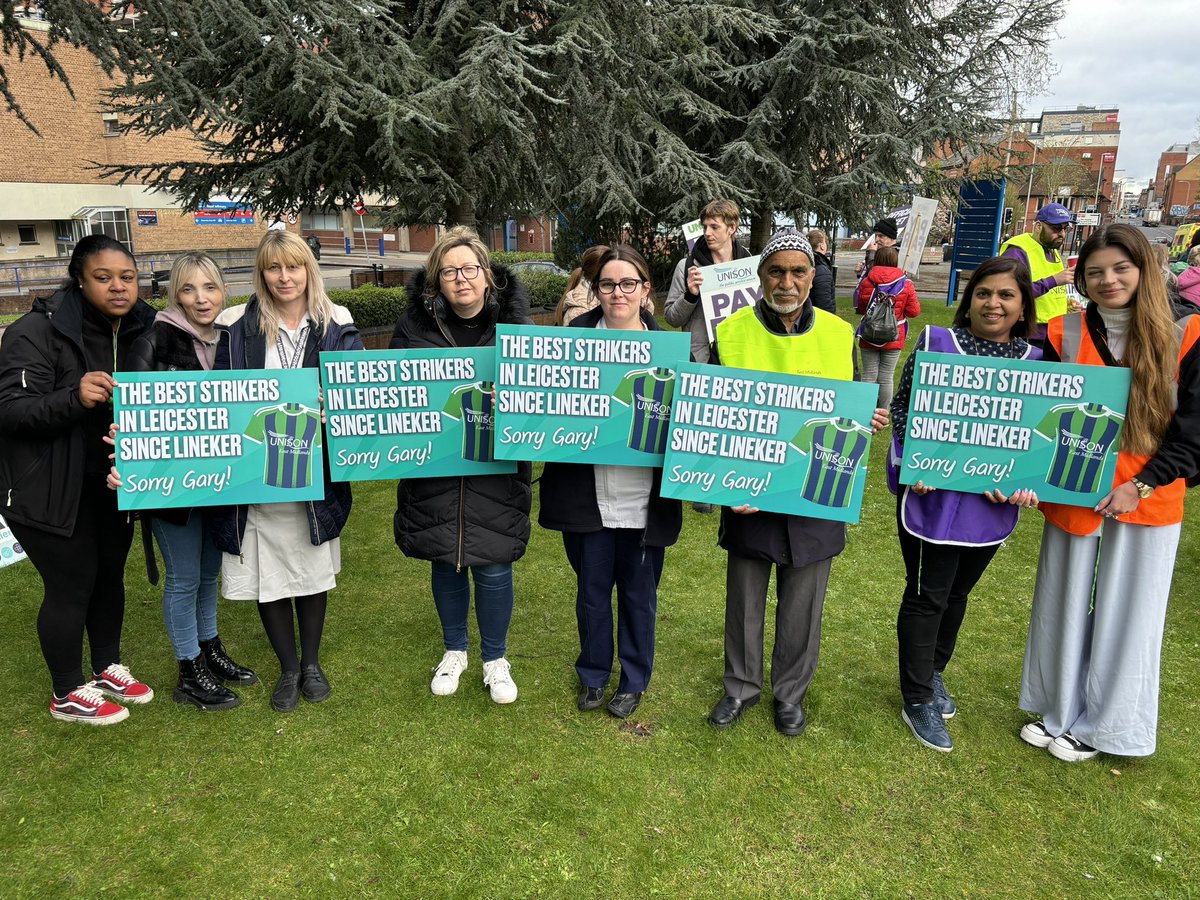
x,y
197,686
222,667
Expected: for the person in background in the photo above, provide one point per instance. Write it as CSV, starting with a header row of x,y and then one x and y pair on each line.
x,y
285,554
883,234
1104,573
879,360
184,339
56,387
1040,251
948,538
614,524
823,288
683,309
474,527
1188,282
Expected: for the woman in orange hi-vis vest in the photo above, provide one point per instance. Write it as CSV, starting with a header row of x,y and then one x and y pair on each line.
x,y
1104,573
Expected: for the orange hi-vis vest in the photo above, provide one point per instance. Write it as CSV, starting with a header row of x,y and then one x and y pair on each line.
x,y
1165,505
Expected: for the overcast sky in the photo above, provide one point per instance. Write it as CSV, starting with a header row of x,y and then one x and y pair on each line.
x,y
1143,57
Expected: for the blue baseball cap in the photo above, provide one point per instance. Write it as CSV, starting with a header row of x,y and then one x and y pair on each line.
x,y
1055,214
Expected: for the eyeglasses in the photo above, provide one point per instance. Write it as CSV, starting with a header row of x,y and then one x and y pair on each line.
x,y
1057,228
451,273
627,285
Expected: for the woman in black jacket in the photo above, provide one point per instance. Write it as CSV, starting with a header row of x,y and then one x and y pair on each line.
x,y
278,554
615,526
56,386
184,339
478,523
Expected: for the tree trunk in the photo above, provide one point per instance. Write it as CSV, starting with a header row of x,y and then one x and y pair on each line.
x,y
761,221
461,212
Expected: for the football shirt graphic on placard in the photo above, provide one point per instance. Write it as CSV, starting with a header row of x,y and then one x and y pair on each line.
x,y
1083,435
289,433
474,405
834,448
648,393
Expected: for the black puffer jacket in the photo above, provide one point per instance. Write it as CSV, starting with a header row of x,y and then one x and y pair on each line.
x,y
569,489
43,426
472,520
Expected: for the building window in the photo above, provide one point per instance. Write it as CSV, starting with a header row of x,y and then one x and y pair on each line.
x,y
112,127
27,234
319,220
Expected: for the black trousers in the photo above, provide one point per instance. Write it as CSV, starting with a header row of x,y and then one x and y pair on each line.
x,y
938,578
84,580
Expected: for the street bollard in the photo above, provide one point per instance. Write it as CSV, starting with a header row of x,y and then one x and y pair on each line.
x,y
381,246
348,251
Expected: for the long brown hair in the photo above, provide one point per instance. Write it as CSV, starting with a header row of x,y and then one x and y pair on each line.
x,y
1152,347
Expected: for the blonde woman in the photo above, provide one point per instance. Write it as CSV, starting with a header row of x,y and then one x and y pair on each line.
x,y
1104,573
284,553
184,339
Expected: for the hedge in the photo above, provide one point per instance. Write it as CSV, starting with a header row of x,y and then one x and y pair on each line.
x,y
508,257
545,288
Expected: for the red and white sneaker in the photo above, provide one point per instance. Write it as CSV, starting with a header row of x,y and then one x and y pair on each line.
x,y
116,682
87,705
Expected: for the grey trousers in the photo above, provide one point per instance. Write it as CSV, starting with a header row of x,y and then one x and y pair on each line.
x,y
1095,634
801,594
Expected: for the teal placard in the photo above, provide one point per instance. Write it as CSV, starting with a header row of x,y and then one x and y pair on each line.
x,y
10,548
976,423
212,439
586,394
782,443
410,413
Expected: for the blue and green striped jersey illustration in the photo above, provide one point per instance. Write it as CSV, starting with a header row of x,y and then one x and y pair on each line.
x,y
290,433
648,393
1083,435
474,406
834,448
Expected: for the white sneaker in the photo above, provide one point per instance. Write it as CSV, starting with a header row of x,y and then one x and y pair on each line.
x,y
1036,735
497,677
1069,748
447,672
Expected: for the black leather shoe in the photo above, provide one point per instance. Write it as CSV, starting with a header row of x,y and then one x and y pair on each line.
x,y
590,698
789,718
222,667
728,710
624,705
286,696
313,684
198,687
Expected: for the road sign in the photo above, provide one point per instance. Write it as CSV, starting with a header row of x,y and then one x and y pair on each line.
x,y
1109,157
1087,218
359,208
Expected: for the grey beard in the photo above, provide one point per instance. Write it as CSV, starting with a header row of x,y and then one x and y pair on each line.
x,y
784,309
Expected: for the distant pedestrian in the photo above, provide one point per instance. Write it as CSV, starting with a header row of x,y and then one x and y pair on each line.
x,y
883,234
1189,280
1040,250
888,282
823,287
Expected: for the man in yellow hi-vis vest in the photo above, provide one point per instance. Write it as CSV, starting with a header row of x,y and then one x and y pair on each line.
x,y
782,332
1039,250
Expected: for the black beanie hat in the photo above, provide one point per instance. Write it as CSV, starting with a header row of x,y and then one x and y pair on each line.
x,y
886,227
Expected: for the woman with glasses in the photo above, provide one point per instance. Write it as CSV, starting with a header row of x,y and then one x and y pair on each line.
x,y
471,528
615,526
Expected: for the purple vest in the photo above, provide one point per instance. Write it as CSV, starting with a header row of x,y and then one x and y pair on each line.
x,y
952,517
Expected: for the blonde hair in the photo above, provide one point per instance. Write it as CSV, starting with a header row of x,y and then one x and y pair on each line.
x,y
181,273
817,236
289,249
1160,255
1194,256
1152,349
458,236
725,210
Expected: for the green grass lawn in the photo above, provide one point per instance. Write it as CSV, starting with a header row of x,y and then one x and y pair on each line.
x,y
385,790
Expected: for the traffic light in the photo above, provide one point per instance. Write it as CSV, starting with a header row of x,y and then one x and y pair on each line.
x,y
1008,214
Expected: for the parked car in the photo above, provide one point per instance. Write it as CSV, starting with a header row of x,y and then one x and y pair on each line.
x,y
544,266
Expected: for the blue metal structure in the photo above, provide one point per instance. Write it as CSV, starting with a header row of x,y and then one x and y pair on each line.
x,y
977,233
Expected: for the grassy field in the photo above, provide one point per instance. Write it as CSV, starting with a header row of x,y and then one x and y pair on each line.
x,y
385,790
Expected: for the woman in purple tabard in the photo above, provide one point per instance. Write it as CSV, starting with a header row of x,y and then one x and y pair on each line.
x,y
947,537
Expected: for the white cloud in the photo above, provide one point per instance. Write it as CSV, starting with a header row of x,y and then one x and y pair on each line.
x,y
1143,58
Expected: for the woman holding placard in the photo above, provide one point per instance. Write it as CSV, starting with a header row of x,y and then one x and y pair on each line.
x,y
56,386
184,339
470,527
615,526
1104,573
280,553
948,538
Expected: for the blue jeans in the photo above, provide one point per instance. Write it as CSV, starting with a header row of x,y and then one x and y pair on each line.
x,y
190,593
493,605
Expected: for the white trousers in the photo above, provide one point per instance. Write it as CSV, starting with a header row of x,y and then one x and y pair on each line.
x,y
1095,634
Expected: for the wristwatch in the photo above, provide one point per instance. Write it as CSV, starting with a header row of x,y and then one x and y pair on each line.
x,y
1144,490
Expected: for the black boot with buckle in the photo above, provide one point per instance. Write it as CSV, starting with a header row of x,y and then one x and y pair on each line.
x,y
198,687
222,667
